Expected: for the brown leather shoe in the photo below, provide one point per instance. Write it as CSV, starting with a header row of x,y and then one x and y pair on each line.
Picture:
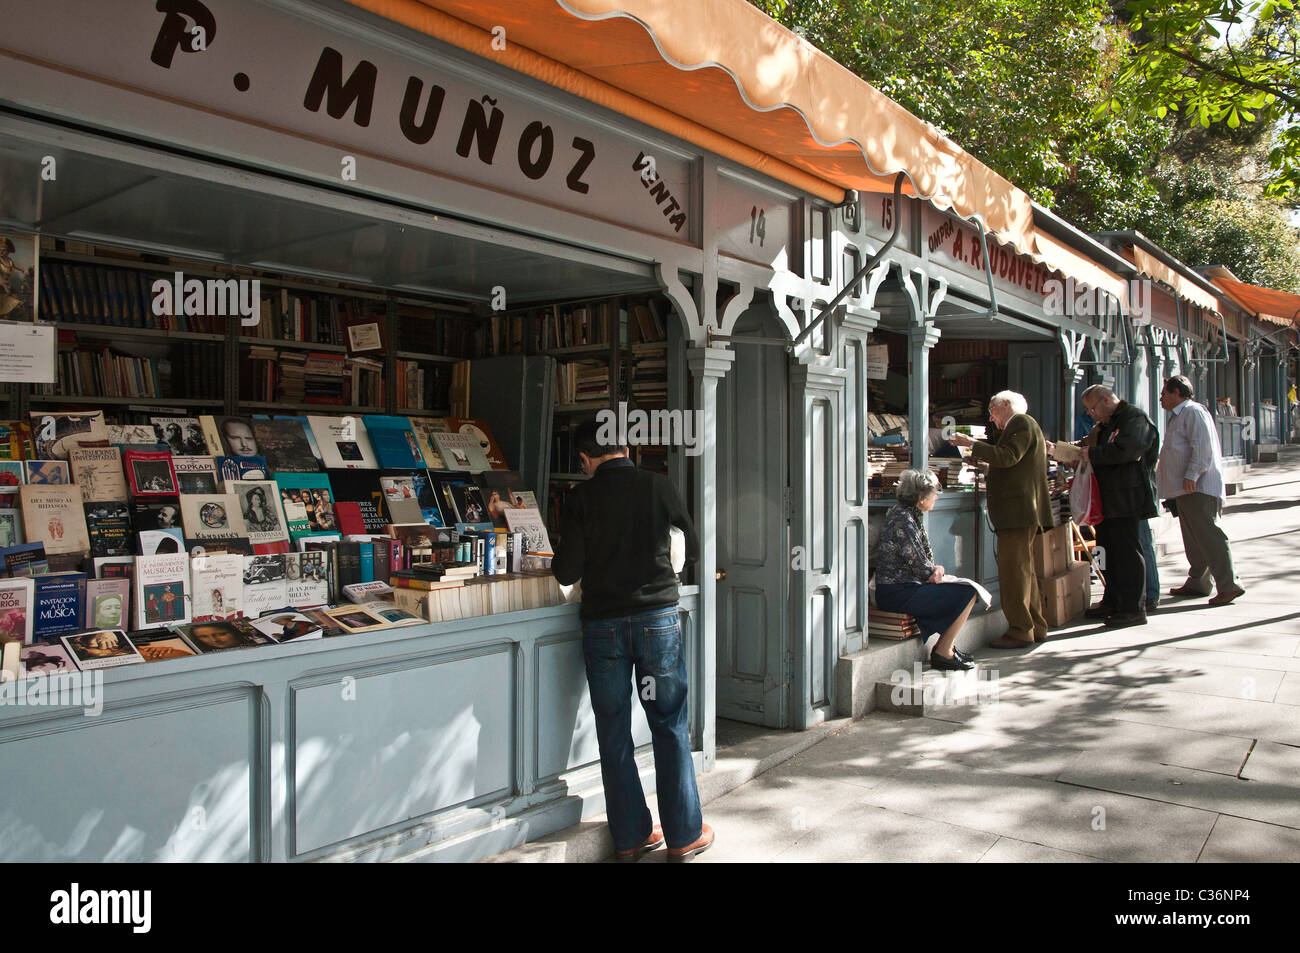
x,y
1184,592
1040,636
1007,642
1223,598
655,840
680,855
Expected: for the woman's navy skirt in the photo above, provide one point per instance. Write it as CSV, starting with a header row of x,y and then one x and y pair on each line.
x,y
934,605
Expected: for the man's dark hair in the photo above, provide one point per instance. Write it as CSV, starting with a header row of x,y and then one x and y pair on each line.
x,y
1180,385
584,441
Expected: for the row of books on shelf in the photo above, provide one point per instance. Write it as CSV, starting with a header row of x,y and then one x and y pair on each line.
x,y
287,315
170,606
124,297
88,369
581,381
311,377
284,444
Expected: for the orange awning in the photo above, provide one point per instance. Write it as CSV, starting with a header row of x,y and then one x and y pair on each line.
x,y
724,76
1153,267
1277,307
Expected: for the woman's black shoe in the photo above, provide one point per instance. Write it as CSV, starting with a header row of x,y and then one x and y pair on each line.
x,y
964,656
953,664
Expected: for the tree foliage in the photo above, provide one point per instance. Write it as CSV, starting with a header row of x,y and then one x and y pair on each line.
x,y
1073,101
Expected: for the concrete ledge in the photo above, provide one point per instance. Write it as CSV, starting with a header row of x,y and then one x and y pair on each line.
x,y
856,675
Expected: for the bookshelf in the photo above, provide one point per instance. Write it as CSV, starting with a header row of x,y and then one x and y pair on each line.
x,y
114,351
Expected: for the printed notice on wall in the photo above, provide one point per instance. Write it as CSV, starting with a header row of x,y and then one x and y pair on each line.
x,y
27,352
877,362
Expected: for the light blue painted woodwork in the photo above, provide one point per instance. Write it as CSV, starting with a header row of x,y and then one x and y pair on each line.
x,y
370,745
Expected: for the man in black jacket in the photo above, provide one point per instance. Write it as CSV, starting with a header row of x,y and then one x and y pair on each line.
x,y
1124,459
615,537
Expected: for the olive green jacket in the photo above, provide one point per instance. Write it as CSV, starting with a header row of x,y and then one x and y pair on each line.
x,y
1017,485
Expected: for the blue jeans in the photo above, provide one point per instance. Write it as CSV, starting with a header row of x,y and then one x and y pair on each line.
x,y
1149,554
652,642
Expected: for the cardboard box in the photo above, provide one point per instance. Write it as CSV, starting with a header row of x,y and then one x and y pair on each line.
x,y
1066,595
1053,550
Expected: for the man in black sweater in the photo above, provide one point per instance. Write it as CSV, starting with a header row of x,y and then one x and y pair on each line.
x,y
615,537
1123,455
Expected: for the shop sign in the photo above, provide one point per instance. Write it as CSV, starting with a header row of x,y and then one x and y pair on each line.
x,y
951,242
752,222
272,69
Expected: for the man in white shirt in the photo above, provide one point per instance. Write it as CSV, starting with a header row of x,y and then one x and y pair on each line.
x,y
1190,472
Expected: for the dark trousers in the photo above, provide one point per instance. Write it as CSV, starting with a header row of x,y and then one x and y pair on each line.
x,y
1125,569
648,644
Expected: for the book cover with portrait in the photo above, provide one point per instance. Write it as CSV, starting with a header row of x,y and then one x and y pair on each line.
x,y
217,585
108,603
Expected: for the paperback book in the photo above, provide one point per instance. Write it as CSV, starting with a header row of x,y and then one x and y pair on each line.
x,y
393,442
160,591
17,619
47,472
260,509
196,474
307,579
160,645
108,525
11,527
105,648
214,521
54,435
307,502
53,516
59,601
242,468
265,584
149,474
217,582
45,658
182,436
218,636
108,603
284,445
343,443
288,627
98,473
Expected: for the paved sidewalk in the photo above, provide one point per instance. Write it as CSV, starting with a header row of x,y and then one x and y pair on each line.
x,y
1177,741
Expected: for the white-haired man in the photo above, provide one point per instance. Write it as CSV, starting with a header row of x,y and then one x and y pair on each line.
x,y
1019,506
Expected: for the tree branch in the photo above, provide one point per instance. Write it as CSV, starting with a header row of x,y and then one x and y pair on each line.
x,y
1210,68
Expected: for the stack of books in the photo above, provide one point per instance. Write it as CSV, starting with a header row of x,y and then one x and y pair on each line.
x,y
890,625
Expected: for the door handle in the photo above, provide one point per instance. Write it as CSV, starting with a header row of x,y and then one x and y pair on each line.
x,y
720,574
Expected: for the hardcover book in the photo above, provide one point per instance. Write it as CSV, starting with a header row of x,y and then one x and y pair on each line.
x,y
217,582
237,437
160,645
215,522
106,648
108,525
59,601
529,524
211,436
47,472
12,473
54,435
160,591
424,428
482,435
265,584
463,499
357,619
196,474
183,436
284,445
149,474
11,527
25,559
45,658
311,437
17,619
217,636
108,603
52,515
16,440
260,509
393,442
288,627
98,472
241,468
307,502
362,487
343,443
307,579
461,451
155,542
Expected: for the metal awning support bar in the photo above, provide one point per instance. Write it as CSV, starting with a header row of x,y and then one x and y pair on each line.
x,y
1125,336
844,292
991,312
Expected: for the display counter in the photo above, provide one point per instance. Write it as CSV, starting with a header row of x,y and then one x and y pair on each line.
x,y
960,535
449,740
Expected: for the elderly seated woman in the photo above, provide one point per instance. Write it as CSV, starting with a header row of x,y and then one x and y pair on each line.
x,y
907,579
